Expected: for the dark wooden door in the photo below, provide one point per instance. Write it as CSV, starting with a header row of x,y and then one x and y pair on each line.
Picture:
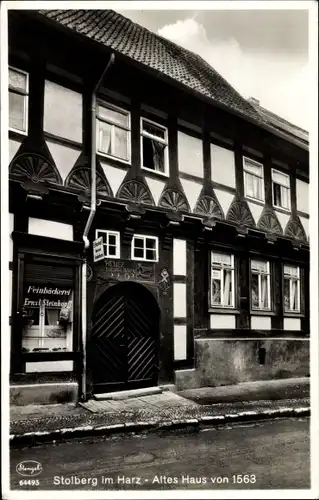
x,y
123,351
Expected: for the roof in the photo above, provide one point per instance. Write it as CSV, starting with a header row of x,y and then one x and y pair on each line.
x,y
123,36
280,123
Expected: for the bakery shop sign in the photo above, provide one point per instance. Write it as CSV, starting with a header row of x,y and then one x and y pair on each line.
x,y
50,296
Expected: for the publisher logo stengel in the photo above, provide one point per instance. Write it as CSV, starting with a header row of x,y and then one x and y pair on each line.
x,y
29,468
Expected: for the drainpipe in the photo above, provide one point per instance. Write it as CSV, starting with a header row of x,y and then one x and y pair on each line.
x,y
90,220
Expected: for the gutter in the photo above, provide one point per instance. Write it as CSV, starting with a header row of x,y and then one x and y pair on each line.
x,y
89,222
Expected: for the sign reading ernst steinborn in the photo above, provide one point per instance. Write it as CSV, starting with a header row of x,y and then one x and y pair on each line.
x,y
98,249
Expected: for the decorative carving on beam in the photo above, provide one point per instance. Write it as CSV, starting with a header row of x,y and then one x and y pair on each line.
x,y
135,192
80,179
240,215
174,201
209,207
34,168
295,230
269,222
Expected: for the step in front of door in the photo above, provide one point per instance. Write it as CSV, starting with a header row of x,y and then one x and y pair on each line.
x,y
135,393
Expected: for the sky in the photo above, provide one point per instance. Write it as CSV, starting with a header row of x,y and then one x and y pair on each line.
x,y
261,53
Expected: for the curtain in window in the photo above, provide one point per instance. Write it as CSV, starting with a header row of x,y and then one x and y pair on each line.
x,y
120,143
53,316
216,287
264,291
227,288
250,184
284,197
158,155
294,295
105,137
254,290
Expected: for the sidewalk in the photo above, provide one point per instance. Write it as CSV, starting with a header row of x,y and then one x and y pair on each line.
x,y
31,425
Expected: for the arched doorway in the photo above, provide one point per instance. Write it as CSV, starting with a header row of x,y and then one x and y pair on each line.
x,y
124,344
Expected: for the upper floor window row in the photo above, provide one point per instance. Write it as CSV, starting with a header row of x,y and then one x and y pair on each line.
x,y
254,184
18,100
114,138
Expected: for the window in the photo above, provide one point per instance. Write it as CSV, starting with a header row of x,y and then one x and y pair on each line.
x,y
222,280
113,131
291,288
154,150
18,100
144,248
280,189
260,285
111,243
253,179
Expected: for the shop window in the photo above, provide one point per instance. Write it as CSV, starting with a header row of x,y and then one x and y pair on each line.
x,y
280,189
222,280
18,100
260,285
47,310
253,179
291,288
144,248
113,131
111,243
154,149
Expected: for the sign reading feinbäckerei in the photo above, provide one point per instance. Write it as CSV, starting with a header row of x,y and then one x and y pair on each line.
x,y
98,249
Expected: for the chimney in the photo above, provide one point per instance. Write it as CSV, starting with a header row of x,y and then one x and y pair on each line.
x,y
254,101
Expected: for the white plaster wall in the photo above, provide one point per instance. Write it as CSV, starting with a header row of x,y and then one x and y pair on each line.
x,y
179,302
256,210
260,323
156,187
190,155
62,112
222,321
225,199
180,342
51,229
292,324
13,148
305,223
114,175
192,190
64,157
283,219
179,257
302,189
49,366
223,166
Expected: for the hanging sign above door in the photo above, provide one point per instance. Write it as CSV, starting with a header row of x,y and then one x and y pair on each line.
x,y
98,249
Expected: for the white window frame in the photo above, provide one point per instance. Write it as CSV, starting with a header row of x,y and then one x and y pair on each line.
x,y
291,278
222,267
261,177
113,107
107,233
144,237
261,273
274,170
158,139
26,100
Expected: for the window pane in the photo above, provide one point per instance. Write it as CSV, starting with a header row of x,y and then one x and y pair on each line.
x,y
120,146
139,253
105,131
280,178
153,129
150,254
17,80
254,291
138,242
153,154
112,239
221,258
259,265
227,295
249,185
253,168
291,271
286,294
216,287
294,298
115,116
257,188
16,111
284,197
112,250
150,243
